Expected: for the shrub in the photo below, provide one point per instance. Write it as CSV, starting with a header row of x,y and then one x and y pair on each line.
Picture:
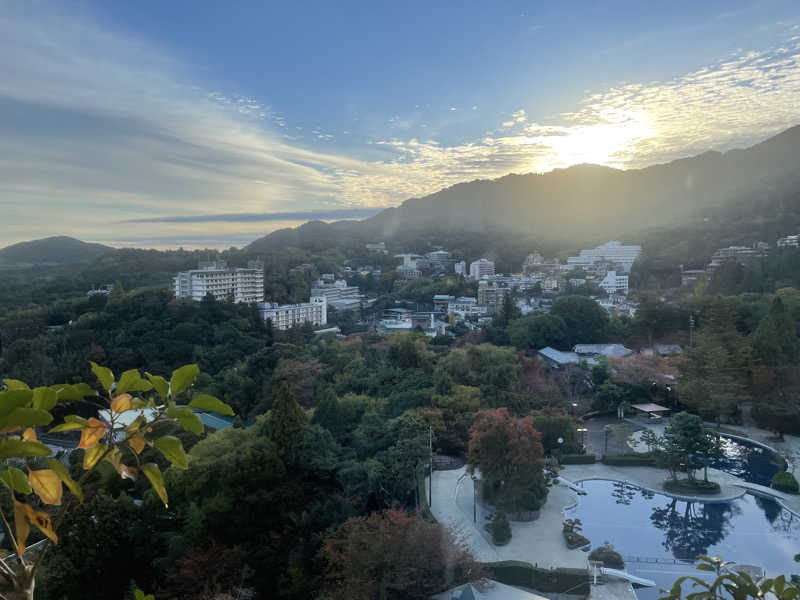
x,y
500,529
784,481
608,556
578,459
630,460
686,486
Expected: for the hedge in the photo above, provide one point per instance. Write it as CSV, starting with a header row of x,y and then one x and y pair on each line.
x,y
560,580
630,460
784,482
577,459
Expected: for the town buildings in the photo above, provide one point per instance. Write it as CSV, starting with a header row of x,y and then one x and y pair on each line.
x,y
491,296
613,253
288,315
739,254
481,268
440,260
790,241
221,282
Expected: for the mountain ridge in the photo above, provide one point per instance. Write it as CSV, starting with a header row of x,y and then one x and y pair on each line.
x,y
580,202
54,250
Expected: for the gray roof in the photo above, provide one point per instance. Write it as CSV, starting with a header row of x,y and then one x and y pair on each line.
x,y
668,349
609,350
559,357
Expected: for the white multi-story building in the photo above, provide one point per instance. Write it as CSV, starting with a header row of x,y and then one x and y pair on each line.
x,y
614,284
465,306
461,268
610,252
790,241
338,290
481,268
288,315
216,279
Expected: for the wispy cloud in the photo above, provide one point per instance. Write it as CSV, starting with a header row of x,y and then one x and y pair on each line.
x,y
309,215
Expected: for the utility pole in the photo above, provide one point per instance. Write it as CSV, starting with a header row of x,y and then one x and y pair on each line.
x,y
691,331
430,453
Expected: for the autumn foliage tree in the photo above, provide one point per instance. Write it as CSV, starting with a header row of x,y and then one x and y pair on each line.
x,y
508,453
35,480
392,555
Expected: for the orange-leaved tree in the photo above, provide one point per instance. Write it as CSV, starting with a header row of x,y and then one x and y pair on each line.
x,y
125,409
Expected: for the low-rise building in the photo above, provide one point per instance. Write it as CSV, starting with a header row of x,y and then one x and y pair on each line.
x,y
286,316
596,350
739,254
491,296
466,306
338,290
441,302
790,241
377,248
223,283
613,283
460,268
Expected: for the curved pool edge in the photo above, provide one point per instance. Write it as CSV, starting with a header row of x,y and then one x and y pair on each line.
x,y
703,499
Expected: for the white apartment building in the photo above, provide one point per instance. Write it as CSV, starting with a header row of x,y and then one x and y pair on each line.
x,y
465,306
614,284
338,290
480,268
216,279
461,268
288,315
612,252
790,241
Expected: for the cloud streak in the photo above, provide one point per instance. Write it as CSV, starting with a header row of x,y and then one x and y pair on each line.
x,y
311,215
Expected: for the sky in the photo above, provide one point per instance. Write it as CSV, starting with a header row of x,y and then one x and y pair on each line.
x,y
208,124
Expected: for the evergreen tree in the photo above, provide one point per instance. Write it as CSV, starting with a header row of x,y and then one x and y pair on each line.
x,y
286,420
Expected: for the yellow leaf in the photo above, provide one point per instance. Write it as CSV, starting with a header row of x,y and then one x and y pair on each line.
x,y
122,403
9,429
47,485
92,455
29,435
91,435
137,443
42,521
21,526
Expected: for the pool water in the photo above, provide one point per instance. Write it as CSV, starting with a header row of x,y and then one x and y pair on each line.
x,y
655,533
748,461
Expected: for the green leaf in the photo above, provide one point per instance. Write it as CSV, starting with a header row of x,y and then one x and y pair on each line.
x,y
11,448
13,399
131,381
182,378
209,403
705,567
172,449
74,393
153,473
71,422
26,417
159,384
103,374
15,384
15,479
45,398
64,475
139,595
186,417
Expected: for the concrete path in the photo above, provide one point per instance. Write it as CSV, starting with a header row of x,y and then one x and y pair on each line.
x,y
538,542
612,590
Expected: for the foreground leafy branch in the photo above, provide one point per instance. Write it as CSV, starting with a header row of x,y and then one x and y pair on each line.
x,y
127,409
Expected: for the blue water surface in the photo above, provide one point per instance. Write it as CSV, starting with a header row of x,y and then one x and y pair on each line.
x,y
654,533
748,461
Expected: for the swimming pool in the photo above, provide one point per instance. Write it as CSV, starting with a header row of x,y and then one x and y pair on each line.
x,y
656,533
748,461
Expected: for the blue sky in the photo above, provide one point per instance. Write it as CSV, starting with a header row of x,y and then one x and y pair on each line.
x,y
134,123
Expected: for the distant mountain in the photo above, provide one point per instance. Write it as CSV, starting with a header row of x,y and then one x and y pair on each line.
x,y
579,204
59,250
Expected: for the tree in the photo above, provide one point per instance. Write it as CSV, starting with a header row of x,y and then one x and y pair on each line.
x,y
286,419
586,322
687,446
110,439
537,331
391,556
507,452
